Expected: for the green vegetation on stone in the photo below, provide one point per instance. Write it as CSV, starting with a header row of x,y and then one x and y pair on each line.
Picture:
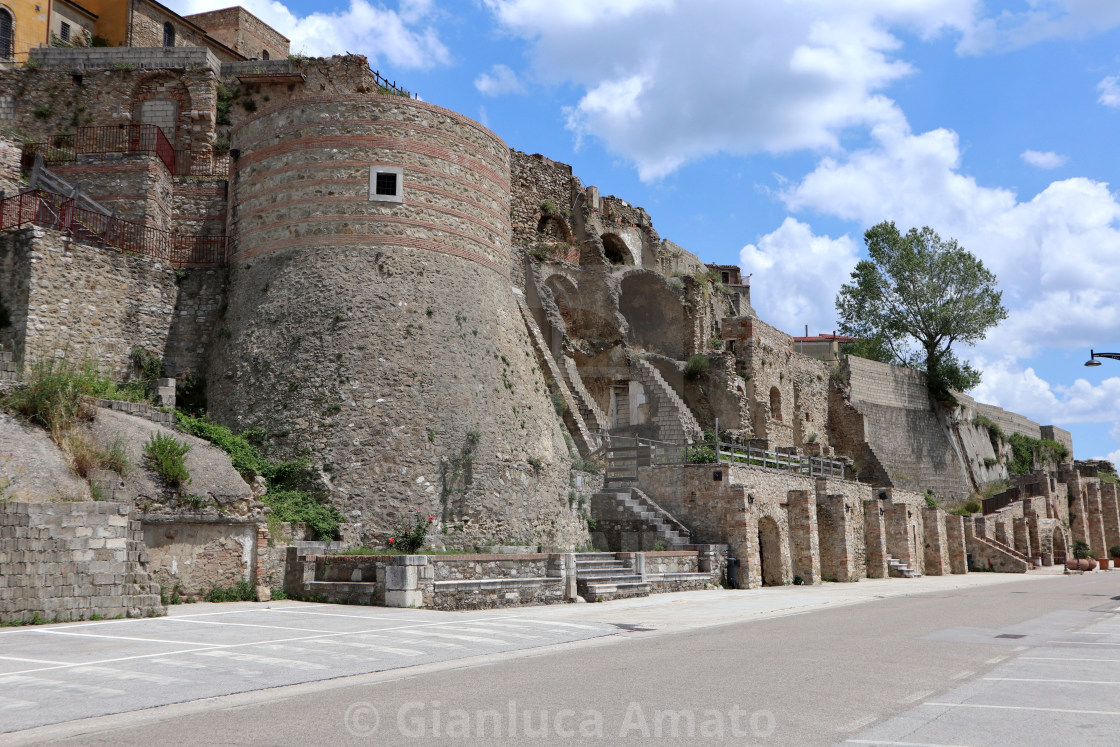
x,y
169,459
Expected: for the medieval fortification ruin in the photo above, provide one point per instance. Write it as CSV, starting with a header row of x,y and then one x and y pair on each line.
x,y
440,323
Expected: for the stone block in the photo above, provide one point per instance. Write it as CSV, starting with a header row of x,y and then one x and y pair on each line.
x,y
401,577
401,598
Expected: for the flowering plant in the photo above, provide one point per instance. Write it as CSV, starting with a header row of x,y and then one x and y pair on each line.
x,y
408,538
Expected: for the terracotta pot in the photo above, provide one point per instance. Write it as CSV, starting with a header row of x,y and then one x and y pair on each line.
x,y
1105,563
1084,564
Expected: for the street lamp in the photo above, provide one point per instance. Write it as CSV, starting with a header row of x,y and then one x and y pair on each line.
x,y
1094,355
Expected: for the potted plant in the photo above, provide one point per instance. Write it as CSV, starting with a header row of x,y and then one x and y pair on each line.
x,y
1082,557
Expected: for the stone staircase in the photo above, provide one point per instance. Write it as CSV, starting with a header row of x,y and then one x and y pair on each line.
x,y
634,514
897,569
601,576
592,414
675,420
585,441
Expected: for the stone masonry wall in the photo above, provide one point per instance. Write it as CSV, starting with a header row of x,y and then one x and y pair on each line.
x,y
384,336
243,32
78,301
136,186
70,561
535,181
196,555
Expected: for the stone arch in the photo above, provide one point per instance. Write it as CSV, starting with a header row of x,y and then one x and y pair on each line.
x,y
566,296
615,250
773,564
654,313
7,34
162,99
1059,549
554,228
264,54
775,403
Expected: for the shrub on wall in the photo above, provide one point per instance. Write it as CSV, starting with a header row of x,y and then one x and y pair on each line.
x,y
169,459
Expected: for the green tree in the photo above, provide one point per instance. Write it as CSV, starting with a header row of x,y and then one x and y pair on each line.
x,y
915,297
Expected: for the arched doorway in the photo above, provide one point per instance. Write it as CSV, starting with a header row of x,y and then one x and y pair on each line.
x,y
772,565
1058,542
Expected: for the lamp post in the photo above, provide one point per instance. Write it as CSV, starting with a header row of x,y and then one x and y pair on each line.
x,y
1093,355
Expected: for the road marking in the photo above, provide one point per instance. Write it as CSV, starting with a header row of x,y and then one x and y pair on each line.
x,y
33,661
917,696
549,622
227,646
248,625
1024,708
1030,679
261,659
995,660
55,686
1086,643
453,636
134,620
902,744
858,723
1063,658
334,614
124,674
382,649
123,638
490,628
7,704
962,675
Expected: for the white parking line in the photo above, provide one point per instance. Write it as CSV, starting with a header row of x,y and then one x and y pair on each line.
x,y
1074,682
453,636
962,675
1024,708
1086,643
121,638
916,697
227,646
33,661
1063,658
246,625
902,744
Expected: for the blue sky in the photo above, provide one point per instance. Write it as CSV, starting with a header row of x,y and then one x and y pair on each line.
x,y
774,133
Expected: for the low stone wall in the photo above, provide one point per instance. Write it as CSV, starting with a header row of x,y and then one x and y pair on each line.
x,y
71,561
197,553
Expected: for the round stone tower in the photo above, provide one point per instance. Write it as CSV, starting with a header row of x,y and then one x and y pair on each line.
x,y
372,326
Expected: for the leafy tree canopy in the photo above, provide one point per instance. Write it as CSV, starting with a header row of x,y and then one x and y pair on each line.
x,y
915,297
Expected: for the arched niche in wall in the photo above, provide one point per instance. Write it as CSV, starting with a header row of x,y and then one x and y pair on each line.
x,y
554,228
654,313
615,250
162,99
775,403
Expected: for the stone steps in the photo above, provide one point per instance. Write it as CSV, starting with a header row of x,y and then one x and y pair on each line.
x,y
898,569
601,576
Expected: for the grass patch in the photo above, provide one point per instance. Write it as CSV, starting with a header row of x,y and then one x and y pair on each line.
x,y
169,459
290,493
696,365
242,591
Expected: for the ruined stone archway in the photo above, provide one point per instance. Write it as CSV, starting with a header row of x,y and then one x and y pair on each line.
x,y
772,562
775,403
1060,552
162,99
554,228
615,250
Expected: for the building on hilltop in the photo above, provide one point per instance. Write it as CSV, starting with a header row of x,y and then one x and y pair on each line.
x,y
823,346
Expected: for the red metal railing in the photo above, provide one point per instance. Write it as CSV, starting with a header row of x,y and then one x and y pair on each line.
x,y
50,210
126,138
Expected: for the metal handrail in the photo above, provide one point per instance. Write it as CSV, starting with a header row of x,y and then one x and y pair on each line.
x,y
63,214
127,138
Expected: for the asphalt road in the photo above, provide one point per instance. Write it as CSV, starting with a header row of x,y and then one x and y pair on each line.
x,y
1026,661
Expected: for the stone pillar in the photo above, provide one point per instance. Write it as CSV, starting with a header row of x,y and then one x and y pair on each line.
x,y
1078,520
954,535
804,543
1035,532
875,535
1022,536
741,529
1095,518
402,581
898,534
563,566
1110,510
936,544
834,530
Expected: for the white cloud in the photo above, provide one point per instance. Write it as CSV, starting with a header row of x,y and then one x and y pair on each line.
x,y
398,37
500,80
1054,254
1043,159
1109,89
667,82
1043,20
795,276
